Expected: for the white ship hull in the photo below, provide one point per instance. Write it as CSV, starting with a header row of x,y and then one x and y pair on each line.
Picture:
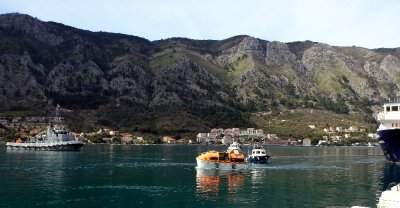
x,y
390,198
52,146
55,138
205,164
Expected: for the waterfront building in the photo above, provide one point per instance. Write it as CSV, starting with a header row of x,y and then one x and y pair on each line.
x,y
353,129
201,138
127,139
169,140
227,139
114,133
306,142
339,129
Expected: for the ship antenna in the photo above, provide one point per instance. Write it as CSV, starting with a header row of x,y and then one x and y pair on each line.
x,y
57,118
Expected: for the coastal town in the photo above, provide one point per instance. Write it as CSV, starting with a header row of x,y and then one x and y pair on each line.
x,y
199,104
26,128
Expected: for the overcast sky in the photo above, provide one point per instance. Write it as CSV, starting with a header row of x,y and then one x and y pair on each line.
x,y
366,23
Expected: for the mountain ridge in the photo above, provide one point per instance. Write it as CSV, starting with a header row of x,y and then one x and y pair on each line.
x,y
203,83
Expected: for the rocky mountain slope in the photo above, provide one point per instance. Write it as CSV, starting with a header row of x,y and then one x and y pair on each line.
x,y
181,84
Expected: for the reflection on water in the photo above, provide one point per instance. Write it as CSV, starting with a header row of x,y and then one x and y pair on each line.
x,y
390,174
207,181
212,183
41,172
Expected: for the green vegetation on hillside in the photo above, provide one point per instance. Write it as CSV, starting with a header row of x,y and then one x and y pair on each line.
x,y
168,58
295,123
238,68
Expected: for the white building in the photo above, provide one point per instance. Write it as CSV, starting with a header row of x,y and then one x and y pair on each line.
x,y
272,137
372,135
336,138
202,138
217,131
260,132
114,133
236,131
251,131
227,139
212,136
353,128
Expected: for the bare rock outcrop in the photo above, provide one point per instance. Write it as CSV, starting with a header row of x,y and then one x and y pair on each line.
x,y
249,46
187,84
21,79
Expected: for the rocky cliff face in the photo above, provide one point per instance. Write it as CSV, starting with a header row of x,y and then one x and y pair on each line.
x,y
22,81
43,63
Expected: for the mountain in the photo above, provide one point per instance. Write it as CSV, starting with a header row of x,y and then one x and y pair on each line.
x,y
183,85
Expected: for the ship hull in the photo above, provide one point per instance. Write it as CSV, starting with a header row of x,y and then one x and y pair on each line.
x,y
389,141
53,146
258,159
206,164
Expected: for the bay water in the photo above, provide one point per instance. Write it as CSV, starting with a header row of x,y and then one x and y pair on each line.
x,y
166,176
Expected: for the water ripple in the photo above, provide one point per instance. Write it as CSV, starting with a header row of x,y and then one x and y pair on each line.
x,y
153,189
134,165
301,166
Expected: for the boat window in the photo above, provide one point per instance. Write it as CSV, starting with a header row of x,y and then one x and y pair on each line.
x,y
392,124
395,108
223,156
258,152
262,152
387,108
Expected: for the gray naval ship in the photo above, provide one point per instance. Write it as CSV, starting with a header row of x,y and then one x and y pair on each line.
x,y
55,138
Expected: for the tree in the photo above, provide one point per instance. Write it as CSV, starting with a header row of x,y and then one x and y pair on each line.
x,y
97,138
177,137
117,140
10,136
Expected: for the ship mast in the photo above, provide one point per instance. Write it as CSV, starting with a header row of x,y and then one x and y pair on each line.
x,y
57,118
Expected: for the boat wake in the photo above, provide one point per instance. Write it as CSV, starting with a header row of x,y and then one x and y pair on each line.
x,y
298,166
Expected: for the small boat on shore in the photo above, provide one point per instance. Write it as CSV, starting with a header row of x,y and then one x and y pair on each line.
x,y
55,138
232,159
390,197
258,155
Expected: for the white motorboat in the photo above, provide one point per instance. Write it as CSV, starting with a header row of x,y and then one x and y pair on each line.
x,y
390,198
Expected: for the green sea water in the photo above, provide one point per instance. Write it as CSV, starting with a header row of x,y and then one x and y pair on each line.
x,y
166,176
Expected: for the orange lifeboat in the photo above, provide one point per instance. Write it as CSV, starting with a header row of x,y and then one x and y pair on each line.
x,y
231,159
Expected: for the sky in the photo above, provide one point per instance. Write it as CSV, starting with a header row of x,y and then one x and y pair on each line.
x,y
365,23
